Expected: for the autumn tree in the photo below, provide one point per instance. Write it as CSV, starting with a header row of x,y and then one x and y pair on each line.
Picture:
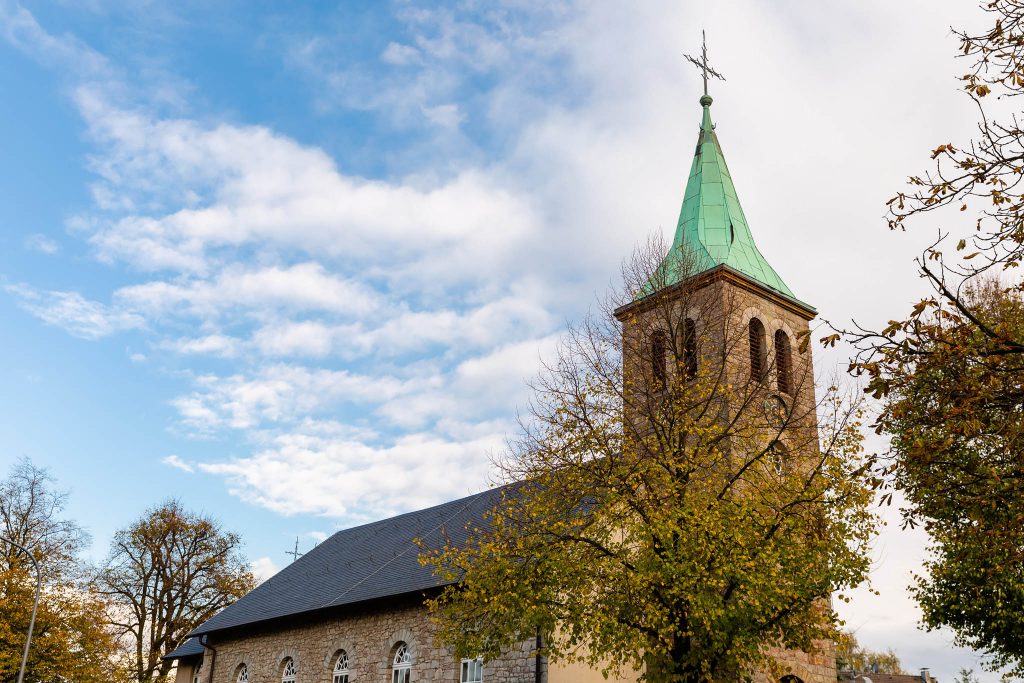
x,y
664,513
851,655
166,574
950,373
69,643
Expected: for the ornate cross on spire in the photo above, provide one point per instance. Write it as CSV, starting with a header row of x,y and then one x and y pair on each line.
x,y
702,63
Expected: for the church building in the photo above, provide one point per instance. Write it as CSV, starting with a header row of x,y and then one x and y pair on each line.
x,y
352,609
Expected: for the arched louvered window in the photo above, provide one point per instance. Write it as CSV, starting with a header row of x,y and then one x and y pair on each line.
x,y
243,674
690,348
659,368
401,668
758,358
784,362
289,673
340,667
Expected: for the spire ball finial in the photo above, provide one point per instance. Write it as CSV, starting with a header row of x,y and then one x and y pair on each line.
x,y
706,100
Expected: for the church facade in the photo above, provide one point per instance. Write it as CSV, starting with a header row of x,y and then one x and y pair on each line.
x,y
352,609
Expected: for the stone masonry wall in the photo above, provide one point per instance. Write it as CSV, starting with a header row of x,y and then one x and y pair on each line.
x,y
370,638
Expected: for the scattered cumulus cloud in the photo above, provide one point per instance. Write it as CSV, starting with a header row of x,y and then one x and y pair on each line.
x,y
178,464
71,311
42,244
353,480
263,568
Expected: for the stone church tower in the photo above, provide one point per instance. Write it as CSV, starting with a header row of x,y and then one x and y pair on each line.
x,y
714,305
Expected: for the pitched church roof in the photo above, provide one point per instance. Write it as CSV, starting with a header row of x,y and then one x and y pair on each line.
x,y
712,230
368,562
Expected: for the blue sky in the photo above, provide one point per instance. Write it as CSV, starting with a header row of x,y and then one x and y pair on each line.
x,y
292,263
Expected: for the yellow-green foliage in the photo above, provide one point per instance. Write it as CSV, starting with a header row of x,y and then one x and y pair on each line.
x,y
652,530
71,641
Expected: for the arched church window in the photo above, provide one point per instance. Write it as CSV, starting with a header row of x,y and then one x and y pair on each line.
x,y
784,362
289,672
690,348
340,667
401,668
758,359
243,674
197,673
659,368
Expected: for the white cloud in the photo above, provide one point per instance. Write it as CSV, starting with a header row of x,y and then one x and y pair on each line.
x,y
283,394
213,344
263,568
42,244
298,288
74,313
352,480
396,53
177,463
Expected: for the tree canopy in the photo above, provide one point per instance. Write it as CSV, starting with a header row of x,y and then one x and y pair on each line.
x,y
665,514
166,573
950,374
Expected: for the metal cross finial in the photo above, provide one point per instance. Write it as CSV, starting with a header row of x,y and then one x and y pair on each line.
x,y
295,553
702,63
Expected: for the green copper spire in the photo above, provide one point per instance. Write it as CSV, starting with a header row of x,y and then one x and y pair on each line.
x,y
712,229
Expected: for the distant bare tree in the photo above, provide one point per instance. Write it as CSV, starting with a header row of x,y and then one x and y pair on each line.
x,y
167,573
31,510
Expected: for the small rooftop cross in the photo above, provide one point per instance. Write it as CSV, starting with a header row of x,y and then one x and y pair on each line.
x,y
702,63
295,553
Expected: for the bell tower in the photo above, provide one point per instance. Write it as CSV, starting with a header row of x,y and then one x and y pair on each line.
x,y
714,304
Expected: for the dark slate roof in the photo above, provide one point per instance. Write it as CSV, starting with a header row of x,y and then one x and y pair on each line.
x,y
367,562
190,648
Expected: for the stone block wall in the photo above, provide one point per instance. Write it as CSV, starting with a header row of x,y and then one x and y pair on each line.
x,y
369,637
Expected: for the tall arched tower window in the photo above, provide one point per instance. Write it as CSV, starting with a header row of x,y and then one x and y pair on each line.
x,y
690,348
784,362
758,357
659,368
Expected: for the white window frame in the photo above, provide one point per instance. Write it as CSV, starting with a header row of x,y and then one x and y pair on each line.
x,y
472,670
401,666
290,671
341,672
